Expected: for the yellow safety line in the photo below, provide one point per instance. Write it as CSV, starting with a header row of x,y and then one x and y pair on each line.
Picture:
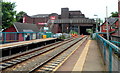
x,y
80,63
67,57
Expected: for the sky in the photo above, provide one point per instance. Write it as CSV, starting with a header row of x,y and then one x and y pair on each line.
x,y
87,7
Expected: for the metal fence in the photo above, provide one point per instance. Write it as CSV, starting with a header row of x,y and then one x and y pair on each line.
x,y
110,53
8,37
115,40
116,43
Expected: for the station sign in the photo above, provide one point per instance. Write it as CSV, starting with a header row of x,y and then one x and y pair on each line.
x,y
42,23
52,18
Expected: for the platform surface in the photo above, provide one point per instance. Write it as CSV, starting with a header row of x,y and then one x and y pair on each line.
x,y
8,45
86,58
94,61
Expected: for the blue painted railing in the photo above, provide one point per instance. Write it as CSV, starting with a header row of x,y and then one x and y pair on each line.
x,y
7,37
110,53
116,43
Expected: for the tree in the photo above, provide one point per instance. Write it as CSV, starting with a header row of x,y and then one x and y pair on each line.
x,y
114,14
19,16
89,31
8,16
0,15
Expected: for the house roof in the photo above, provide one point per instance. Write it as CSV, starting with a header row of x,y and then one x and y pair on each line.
x,y
76,11
111,21
40,15
25,27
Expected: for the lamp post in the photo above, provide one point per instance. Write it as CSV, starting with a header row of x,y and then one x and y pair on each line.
x,y
107,23
96,23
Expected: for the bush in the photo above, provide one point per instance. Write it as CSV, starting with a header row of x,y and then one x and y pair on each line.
x,y
62,37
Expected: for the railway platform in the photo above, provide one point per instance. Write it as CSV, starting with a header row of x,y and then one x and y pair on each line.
x,y
76,55
99,55
86,58
17,47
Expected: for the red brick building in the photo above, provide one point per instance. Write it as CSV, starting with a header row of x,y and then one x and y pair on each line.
x,y
41,21
113,26
116,35
18,32
64,23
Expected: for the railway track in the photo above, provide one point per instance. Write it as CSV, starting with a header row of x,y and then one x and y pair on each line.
x,y
11,61
54,64
29,51
33,61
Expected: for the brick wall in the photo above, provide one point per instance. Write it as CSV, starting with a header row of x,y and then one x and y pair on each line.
x,y
119,15
28,19
65,13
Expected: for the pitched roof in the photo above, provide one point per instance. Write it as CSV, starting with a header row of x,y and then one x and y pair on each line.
x,y
40,15
25,27
111,21
76,11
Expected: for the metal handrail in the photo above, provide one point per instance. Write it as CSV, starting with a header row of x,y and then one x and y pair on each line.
x,y
117,49
8,37
110,53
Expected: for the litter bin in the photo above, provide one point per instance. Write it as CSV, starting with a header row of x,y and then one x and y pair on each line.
x,y
44,36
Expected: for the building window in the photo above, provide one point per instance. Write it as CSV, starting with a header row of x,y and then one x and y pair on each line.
x,y
104,27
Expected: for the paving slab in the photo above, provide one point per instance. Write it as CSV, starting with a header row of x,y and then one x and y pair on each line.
x,y
94,61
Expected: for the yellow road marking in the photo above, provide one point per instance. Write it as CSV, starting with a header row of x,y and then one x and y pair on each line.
x,y
67,57
80,63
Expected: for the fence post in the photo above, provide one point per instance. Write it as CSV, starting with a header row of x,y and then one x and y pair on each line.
x,y
31,34
4,38
15,37
36,36
104,53
110,59
24,36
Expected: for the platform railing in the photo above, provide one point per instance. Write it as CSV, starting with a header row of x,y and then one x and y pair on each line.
x,y
7,37
110,53
116,43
